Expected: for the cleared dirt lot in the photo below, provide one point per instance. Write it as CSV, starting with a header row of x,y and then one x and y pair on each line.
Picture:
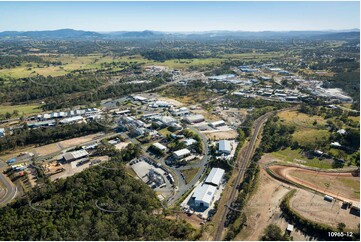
x,y
78,141
72,168
41,150
171,101
121,145
263,209
218,135
338,183
314,207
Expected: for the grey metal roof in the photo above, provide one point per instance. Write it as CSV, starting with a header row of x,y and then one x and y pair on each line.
x,y
215,176
204,193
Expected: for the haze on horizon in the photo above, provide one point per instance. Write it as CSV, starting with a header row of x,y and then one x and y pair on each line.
x,y
179,16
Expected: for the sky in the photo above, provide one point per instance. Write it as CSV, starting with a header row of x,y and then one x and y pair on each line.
x,y
179,16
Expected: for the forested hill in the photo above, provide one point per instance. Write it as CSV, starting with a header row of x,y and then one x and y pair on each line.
x,y
96,204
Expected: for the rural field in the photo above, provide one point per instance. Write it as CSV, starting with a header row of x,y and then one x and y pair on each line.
x,y
296,156
26,109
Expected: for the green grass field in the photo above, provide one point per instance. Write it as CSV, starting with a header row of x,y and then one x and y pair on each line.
x,y
189,174
72,62
296,157
164,132
309,129
308,137
22,109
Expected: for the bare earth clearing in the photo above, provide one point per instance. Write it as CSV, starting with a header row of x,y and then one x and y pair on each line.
x,y
263,209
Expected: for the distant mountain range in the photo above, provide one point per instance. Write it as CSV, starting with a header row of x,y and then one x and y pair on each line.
x,y
71,34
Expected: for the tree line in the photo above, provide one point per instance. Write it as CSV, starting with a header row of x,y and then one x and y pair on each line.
x,y
41,136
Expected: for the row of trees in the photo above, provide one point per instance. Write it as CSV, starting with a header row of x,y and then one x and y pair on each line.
x,y
25,136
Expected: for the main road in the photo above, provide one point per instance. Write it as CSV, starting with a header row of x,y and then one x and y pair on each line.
x,y
242,161
10,190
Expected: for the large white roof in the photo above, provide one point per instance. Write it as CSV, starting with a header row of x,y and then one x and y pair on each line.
x,y
159,146
215,176
204,193
218,122
182,152
224,145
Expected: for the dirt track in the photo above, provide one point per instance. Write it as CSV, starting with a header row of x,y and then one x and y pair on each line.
x,y
284,173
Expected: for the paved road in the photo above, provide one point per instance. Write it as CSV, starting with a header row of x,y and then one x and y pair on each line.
x,y
10,190
202,164
243,161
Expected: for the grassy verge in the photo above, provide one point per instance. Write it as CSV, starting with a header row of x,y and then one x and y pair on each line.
x,y
189,174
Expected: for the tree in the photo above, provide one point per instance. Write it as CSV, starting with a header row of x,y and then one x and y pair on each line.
x,y
273,233
341,226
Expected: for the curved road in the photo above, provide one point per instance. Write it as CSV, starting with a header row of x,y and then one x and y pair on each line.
x,y
10,190
182,188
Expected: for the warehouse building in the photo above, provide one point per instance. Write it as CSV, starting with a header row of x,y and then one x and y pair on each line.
x,y
189,142
179,154
215,177
217,124
192,119
224,147
159,146
71,156
203,195
70,120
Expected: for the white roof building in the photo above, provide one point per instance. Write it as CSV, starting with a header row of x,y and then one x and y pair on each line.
x,y
160,146
224,147
335,144
181,153
217,123
203,195
139,98
189,142
215,177
290,227
341,131
71,120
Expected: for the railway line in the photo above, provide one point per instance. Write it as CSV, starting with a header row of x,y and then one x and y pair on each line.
x,y
243,161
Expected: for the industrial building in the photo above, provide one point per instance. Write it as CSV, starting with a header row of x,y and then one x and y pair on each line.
x,y
215,177
179,154
189,142
192,119
203,195
71,156
139,98
159,146
224,147
70,120
217,124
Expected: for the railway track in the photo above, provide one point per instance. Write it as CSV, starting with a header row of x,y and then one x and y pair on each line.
x,y
243,160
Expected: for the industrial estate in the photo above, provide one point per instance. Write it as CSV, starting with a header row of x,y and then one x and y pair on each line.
x,y
209,136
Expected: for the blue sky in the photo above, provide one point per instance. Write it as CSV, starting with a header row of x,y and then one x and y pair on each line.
x,y
179,16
